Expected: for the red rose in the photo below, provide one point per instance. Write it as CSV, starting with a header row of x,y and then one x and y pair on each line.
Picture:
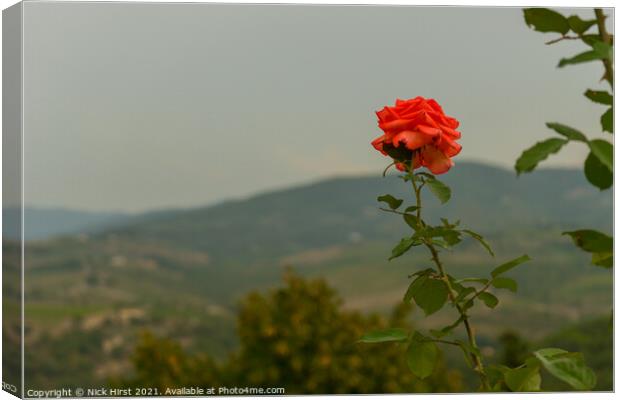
x,y
417,131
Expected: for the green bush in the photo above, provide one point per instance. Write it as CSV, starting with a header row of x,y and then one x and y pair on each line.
x,y
298,337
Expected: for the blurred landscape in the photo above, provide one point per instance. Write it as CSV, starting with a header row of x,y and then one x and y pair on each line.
x,y
202,194
95,282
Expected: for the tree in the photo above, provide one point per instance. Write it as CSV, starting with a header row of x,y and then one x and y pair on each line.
x,y
298,337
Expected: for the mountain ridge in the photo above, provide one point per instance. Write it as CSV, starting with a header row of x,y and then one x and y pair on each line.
x,y
43,223
329,211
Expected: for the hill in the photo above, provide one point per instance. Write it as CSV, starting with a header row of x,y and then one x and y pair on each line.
x,y
180,273
341,209
44,223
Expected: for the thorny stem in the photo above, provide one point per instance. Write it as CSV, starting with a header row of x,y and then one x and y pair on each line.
x,y
444,277
606,38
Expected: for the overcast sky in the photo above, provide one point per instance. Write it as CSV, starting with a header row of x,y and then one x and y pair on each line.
x,y
143,106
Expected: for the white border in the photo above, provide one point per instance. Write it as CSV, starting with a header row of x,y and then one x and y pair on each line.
x,y
447,3
508,3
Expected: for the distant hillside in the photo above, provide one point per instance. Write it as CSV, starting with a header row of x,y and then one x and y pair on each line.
x,y
339,210
43,223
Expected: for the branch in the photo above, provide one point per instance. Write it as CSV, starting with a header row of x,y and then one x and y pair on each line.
x,y
563,37
392,211
444,342
606,38
478,292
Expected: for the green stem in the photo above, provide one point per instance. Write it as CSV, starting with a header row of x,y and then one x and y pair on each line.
x,y
444,277
445,342
605,38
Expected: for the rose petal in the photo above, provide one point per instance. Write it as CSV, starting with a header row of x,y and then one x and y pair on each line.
x,y
448,146
451,132
435,160
378,144
415,114
454,123
427,130
433,103
396,125
439,118
412,140
415,100
386,114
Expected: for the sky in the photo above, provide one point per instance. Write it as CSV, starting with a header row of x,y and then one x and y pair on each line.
x,y
135,107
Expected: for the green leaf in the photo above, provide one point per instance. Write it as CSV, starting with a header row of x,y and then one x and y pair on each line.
x,y
451,236
591,241
607,120
604,151
464,292
532,362
599,96
505,283
509,265
586,56
402,247
456,285
568,367
422,272
603,49
469,304
524,379
603,259
489,300
439,189
495,373
422,356
415,286
597,173
590,39
411,209
385,335
431,295
578,25
441,243
545,20
567,131
391,201
412,221
448,225
540,151
480,240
